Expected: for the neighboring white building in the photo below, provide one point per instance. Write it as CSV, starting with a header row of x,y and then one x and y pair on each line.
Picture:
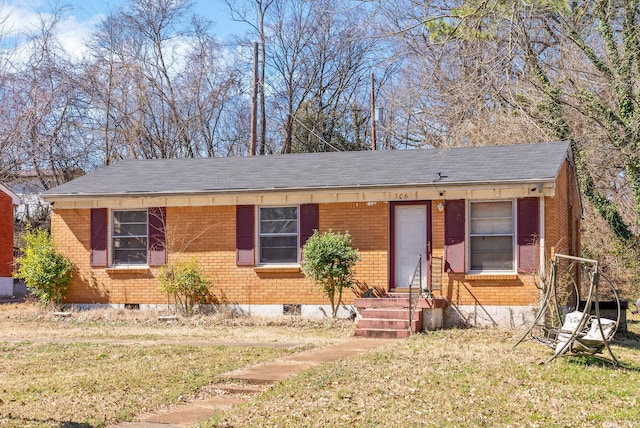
x,y
28,185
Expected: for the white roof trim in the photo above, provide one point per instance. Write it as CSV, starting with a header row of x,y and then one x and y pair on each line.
x,y
283,197
14,198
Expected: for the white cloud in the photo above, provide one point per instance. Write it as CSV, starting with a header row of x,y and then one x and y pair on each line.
x,y
23,19
20,18
74,34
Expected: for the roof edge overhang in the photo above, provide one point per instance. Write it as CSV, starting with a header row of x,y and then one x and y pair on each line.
x,y
15,200
283,196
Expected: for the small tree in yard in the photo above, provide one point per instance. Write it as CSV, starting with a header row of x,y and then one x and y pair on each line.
x,y
186,282
45,271
328,258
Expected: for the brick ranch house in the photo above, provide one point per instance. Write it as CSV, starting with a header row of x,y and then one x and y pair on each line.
x,y
484,219
8,200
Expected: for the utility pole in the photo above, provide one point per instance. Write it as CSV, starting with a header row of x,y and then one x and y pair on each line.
x,y
253,134
373,113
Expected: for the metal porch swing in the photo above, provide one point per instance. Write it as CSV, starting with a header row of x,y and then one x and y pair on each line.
x,y
565,323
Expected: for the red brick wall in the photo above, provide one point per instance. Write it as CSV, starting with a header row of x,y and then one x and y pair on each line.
x,y
208,234
6,235
562,226
563,215
484,290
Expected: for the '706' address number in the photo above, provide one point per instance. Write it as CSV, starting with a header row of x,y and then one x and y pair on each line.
x,y
402,196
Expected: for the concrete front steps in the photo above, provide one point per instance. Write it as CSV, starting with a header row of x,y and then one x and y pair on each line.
x,y
388,323
388,317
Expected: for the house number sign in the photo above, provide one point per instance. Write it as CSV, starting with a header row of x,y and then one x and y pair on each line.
x,y
404,196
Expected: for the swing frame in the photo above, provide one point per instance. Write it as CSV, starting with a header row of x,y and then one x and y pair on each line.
x,y
551,325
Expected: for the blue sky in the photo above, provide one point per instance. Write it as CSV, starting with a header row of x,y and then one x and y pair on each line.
x,y
85,14
213,10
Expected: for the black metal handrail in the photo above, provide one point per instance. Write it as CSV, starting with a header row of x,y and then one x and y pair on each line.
x,y
417,273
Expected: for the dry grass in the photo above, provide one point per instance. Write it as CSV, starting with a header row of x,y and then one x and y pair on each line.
x,y
455,378
94,384
30,322
101,367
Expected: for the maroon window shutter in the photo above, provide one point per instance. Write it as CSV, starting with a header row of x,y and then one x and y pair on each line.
x,y
98,244
454,226
245,241
309,221
157,254
528,234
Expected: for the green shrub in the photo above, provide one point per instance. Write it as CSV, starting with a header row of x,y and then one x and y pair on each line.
x,y
45,271
328,258
187,284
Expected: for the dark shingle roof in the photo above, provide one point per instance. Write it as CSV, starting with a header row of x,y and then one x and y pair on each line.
x,y
493,164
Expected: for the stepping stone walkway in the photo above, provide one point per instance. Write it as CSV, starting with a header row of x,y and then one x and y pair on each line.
x,y
245,383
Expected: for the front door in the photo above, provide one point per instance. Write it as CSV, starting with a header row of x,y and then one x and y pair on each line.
x,y
409,242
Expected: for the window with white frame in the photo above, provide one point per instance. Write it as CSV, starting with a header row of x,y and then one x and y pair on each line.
x,y
278,234
129,236
491,236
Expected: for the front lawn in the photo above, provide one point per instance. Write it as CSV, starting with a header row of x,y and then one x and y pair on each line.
x,y
456,378
102,367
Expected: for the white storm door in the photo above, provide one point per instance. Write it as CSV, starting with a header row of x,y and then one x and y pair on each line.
x,y
410,241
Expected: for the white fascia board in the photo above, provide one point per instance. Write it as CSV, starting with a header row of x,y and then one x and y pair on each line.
x,y
474,191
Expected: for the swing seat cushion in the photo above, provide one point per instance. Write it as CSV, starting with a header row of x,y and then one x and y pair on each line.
x,y
594,336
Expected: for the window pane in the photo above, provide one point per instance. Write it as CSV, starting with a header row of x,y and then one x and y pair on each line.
x,y
129,240
279,249
489,225
491,253
490,209
278,226
130,251
278,234
279,213
130,230
130,243
491,217
130,257
130,217
491,242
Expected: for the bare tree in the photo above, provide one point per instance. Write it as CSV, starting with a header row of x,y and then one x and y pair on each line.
x,y
46,108
317,60
253,12
341,57
535,71
158,82
10,155
208,84
109,83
